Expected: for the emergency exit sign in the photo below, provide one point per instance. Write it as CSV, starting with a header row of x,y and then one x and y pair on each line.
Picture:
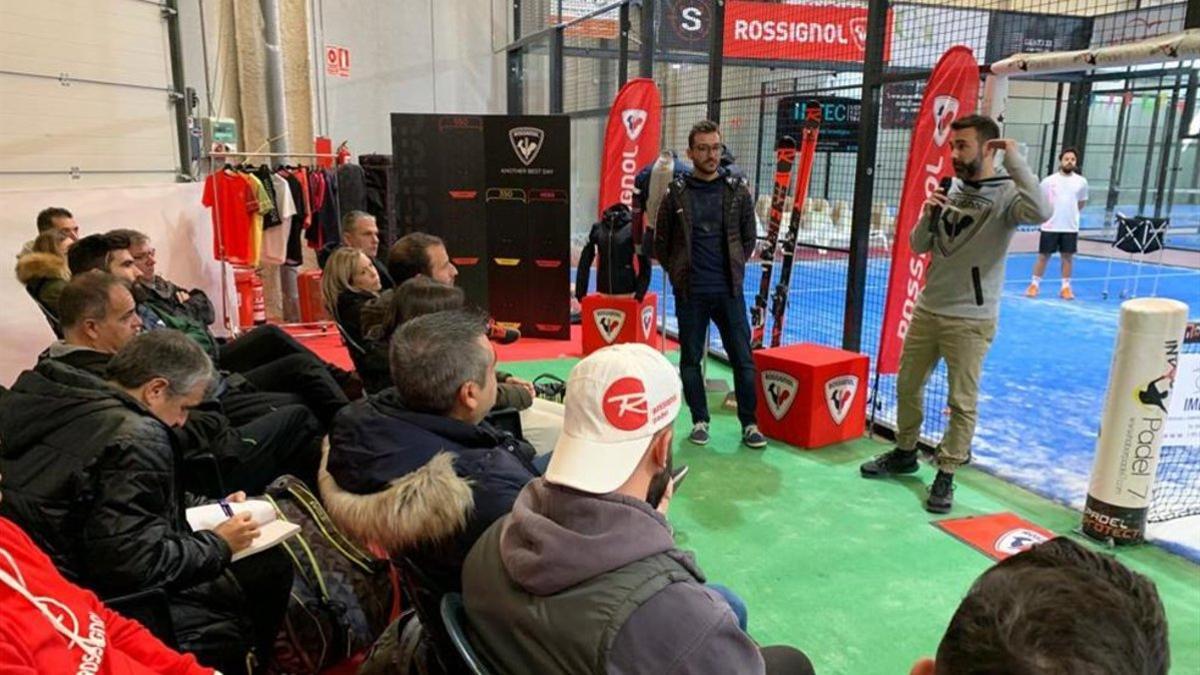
x,y
337,61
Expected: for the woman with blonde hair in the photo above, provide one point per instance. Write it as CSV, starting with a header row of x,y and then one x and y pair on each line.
x,y
43,271
348,281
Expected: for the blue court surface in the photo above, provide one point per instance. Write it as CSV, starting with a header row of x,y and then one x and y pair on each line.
x,y
1044,379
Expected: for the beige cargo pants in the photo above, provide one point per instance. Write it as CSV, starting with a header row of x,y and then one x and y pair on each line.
x,y
962,343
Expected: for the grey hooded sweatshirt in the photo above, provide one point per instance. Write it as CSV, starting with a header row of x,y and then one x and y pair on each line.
x,y
970,242
557,542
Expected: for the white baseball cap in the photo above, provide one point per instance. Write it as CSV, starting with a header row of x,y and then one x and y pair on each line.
x,y
617,398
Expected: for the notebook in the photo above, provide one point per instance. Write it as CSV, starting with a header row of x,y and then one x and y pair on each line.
x,y
271,530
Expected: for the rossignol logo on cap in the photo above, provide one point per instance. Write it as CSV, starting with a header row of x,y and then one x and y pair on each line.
x,y
1015,541
625,405
647,321
839,392
634,120
609,322
780,389
526,142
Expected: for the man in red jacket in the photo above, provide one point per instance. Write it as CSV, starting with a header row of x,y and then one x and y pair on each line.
x,y
50,625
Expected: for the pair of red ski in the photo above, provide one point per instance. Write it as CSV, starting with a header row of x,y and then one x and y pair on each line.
x,y
785,156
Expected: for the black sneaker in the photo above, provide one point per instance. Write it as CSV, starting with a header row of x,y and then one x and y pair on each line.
x,y
941,494
753,438
891,463
699,435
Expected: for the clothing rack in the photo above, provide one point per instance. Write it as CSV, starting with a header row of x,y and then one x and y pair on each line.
x,y
212,162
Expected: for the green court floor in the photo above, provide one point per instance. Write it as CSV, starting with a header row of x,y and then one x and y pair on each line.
x,y
849,570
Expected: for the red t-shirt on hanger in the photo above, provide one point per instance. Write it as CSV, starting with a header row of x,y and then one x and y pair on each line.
x,y
232,207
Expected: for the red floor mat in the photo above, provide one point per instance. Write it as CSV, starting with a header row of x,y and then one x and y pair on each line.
x,y
323,339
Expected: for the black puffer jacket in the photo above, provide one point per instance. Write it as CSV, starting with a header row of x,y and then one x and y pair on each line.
x,y
613,239
421,485
673,231
90,474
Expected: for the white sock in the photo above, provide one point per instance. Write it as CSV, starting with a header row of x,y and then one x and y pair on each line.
x,y
1037,281
1066,283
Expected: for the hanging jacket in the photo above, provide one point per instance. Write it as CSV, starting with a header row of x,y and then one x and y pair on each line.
x,y
615,275
90,474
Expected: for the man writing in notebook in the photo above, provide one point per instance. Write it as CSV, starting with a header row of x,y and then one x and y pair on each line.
x,y
62,428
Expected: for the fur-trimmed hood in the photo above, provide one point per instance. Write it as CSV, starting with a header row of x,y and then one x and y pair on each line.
x,y
428,505
36,265
403,480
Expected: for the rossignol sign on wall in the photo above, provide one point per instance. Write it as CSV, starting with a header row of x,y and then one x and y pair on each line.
x,y
758,30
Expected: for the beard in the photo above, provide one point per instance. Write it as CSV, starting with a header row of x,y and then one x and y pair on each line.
x,y
967,170
658,484
1068,169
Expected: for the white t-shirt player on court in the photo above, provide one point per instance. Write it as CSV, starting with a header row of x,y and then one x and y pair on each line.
x,y
1067,192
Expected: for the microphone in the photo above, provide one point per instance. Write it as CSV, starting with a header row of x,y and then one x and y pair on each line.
x,y
935,216
500,334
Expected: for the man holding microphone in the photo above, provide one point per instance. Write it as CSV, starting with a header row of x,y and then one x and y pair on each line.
x,y
967,225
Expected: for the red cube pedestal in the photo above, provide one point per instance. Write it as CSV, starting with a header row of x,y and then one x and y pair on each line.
x,y
611,320
811,396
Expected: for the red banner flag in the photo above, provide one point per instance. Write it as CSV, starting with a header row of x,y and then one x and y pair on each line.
x,y
951,93
630,140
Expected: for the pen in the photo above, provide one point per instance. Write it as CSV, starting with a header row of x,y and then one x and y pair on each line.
x,y
225,507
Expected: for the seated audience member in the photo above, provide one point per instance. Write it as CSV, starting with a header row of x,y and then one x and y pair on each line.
x,y
1056,608
416,470
349,280
359,231
53,218
584,574
108,254
416,254
421,254
416,297
282,437
191,312
50,625
263,358
541,420
166,298
90,470
43,271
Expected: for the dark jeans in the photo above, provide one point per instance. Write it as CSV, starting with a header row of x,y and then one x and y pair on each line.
x,y
266,581
729,313
258,347
286,441
304,376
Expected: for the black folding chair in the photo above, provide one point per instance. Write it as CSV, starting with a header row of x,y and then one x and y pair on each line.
x,y
454,617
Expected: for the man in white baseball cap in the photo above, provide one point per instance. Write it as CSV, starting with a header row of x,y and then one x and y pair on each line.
x,y
585,571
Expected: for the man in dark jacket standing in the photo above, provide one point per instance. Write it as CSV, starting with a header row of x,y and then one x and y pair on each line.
x,y
90,472
584,575
415,469
704,235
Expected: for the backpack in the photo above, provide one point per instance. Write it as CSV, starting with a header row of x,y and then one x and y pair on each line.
x,y
341,596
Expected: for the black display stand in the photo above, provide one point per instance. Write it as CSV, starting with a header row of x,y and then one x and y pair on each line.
x,y
496,189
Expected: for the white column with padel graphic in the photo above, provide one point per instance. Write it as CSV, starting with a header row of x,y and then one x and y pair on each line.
x,y
1135,410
